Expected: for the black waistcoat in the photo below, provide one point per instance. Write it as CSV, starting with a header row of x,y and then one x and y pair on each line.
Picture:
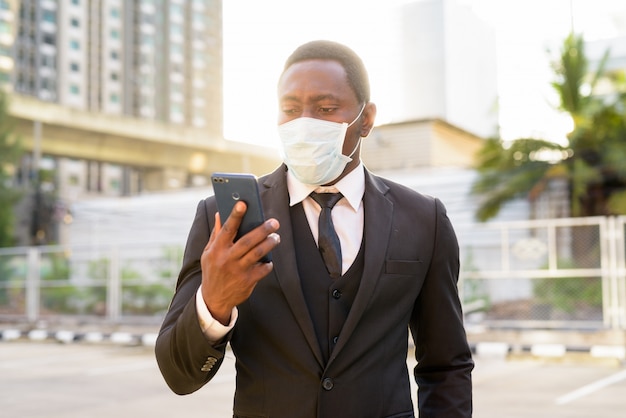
x,y
328,300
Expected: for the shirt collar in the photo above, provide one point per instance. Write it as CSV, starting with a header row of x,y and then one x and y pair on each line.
x,y
352,187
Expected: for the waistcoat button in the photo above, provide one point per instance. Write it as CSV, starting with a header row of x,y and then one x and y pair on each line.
x,y
327,383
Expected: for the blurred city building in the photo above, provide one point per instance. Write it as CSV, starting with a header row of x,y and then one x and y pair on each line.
x,y
419,144
148,59
157,61
447,64
114,98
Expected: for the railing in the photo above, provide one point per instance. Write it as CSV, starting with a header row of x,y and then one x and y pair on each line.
x,y
130,282
545,273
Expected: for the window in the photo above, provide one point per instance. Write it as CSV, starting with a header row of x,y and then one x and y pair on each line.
x,y
115,12
147,39
176,48
5,28
49,39
49,16
76,2
74,89
198,18
75,45
74,67
114,98
75,22
114,55
48,61
115,34
176,10
114,76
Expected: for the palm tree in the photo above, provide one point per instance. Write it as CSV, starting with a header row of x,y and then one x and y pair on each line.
x,y
592,164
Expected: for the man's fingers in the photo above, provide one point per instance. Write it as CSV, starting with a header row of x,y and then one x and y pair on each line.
x,y
257,242
215,231
249,248
230,226
263,248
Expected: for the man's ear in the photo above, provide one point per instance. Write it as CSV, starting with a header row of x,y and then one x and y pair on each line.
x,y
369,116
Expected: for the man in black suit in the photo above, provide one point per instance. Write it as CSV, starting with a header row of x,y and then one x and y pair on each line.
x,y
313,337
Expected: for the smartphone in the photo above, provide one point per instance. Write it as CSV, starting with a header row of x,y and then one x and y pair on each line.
x,y
229,188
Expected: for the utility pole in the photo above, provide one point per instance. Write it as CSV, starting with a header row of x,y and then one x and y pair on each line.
x,y
37,233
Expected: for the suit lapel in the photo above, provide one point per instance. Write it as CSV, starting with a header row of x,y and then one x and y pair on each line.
x,y
378,213
275,200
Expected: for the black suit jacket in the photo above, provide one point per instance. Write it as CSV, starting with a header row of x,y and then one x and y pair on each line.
x,y
409,282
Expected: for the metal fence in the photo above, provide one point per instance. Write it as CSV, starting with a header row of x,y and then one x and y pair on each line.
x,y
117,283
544,273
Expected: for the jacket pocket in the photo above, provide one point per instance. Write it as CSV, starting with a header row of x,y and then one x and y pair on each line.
x,y
403,267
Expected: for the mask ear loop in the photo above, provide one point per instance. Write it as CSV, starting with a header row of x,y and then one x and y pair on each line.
x,y
357,116
360,138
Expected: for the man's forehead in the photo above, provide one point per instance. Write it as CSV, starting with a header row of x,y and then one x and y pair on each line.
x,y
321,79
316,68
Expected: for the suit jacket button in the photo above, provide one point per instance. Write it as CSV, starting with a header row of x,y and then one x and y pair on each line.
x,y
336,294
328,383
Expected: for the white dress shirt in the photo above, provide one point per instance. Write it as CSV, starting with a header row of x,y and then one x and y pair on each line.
x,y
348,220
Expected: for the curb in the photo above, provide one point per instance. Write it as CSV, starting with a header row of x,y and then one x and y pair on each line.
x,y
67,337
482,349
502,350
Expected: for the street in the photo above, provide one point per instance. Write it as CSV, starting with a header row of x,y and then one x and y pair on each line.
x,y
54,380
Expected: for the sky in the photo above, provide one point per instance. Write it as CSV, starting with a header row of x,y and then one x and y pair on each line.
x,y
259,35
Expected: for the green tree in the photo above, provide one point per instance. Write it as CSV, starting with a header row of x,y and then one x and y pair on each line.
x,y
10,153
592,163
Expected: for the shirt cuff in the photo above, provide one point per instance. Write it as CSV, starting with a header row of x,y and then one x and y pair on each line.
x,y
212,329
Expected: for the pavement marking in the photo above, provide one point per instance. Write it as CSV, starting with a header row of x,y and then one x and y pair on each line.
x,y
590,388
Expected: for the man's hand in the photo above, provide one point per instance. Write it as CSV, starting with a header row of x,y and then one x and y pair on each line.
x,y
231,270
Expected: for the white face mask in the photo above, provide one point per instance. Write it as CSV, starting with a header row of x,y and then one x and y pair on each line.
x,y
312,148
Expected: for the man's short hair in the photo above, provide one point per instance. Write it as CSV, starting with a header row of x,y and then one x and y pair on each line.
x,y
328,50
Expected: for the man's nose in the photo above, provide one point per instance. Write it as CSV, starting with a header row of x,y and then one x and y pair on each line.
x,y
308,112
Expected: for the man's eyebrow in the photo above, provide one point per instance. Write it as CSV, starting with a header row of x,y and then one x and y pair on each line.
x,y
318,98
321,97
289,98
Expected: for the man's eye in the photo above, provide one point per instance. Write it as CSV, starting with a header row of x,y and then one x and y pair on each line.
x,y
290,111
326,110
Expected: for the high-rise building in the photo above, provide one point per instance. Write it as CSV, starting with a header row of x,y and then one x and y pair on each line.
x,y
449,68
149,59
7,39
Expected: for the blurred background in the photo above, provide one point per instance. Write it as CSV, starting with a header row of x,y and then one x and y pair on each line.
x,y
113,115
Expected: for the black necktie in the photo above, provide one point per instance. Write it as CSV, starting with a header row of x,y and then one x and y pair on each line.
x,y
328,241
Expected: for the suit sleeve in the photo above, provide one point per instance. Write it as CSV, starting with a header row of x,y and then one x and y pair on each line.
x,y
185,357
444,360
